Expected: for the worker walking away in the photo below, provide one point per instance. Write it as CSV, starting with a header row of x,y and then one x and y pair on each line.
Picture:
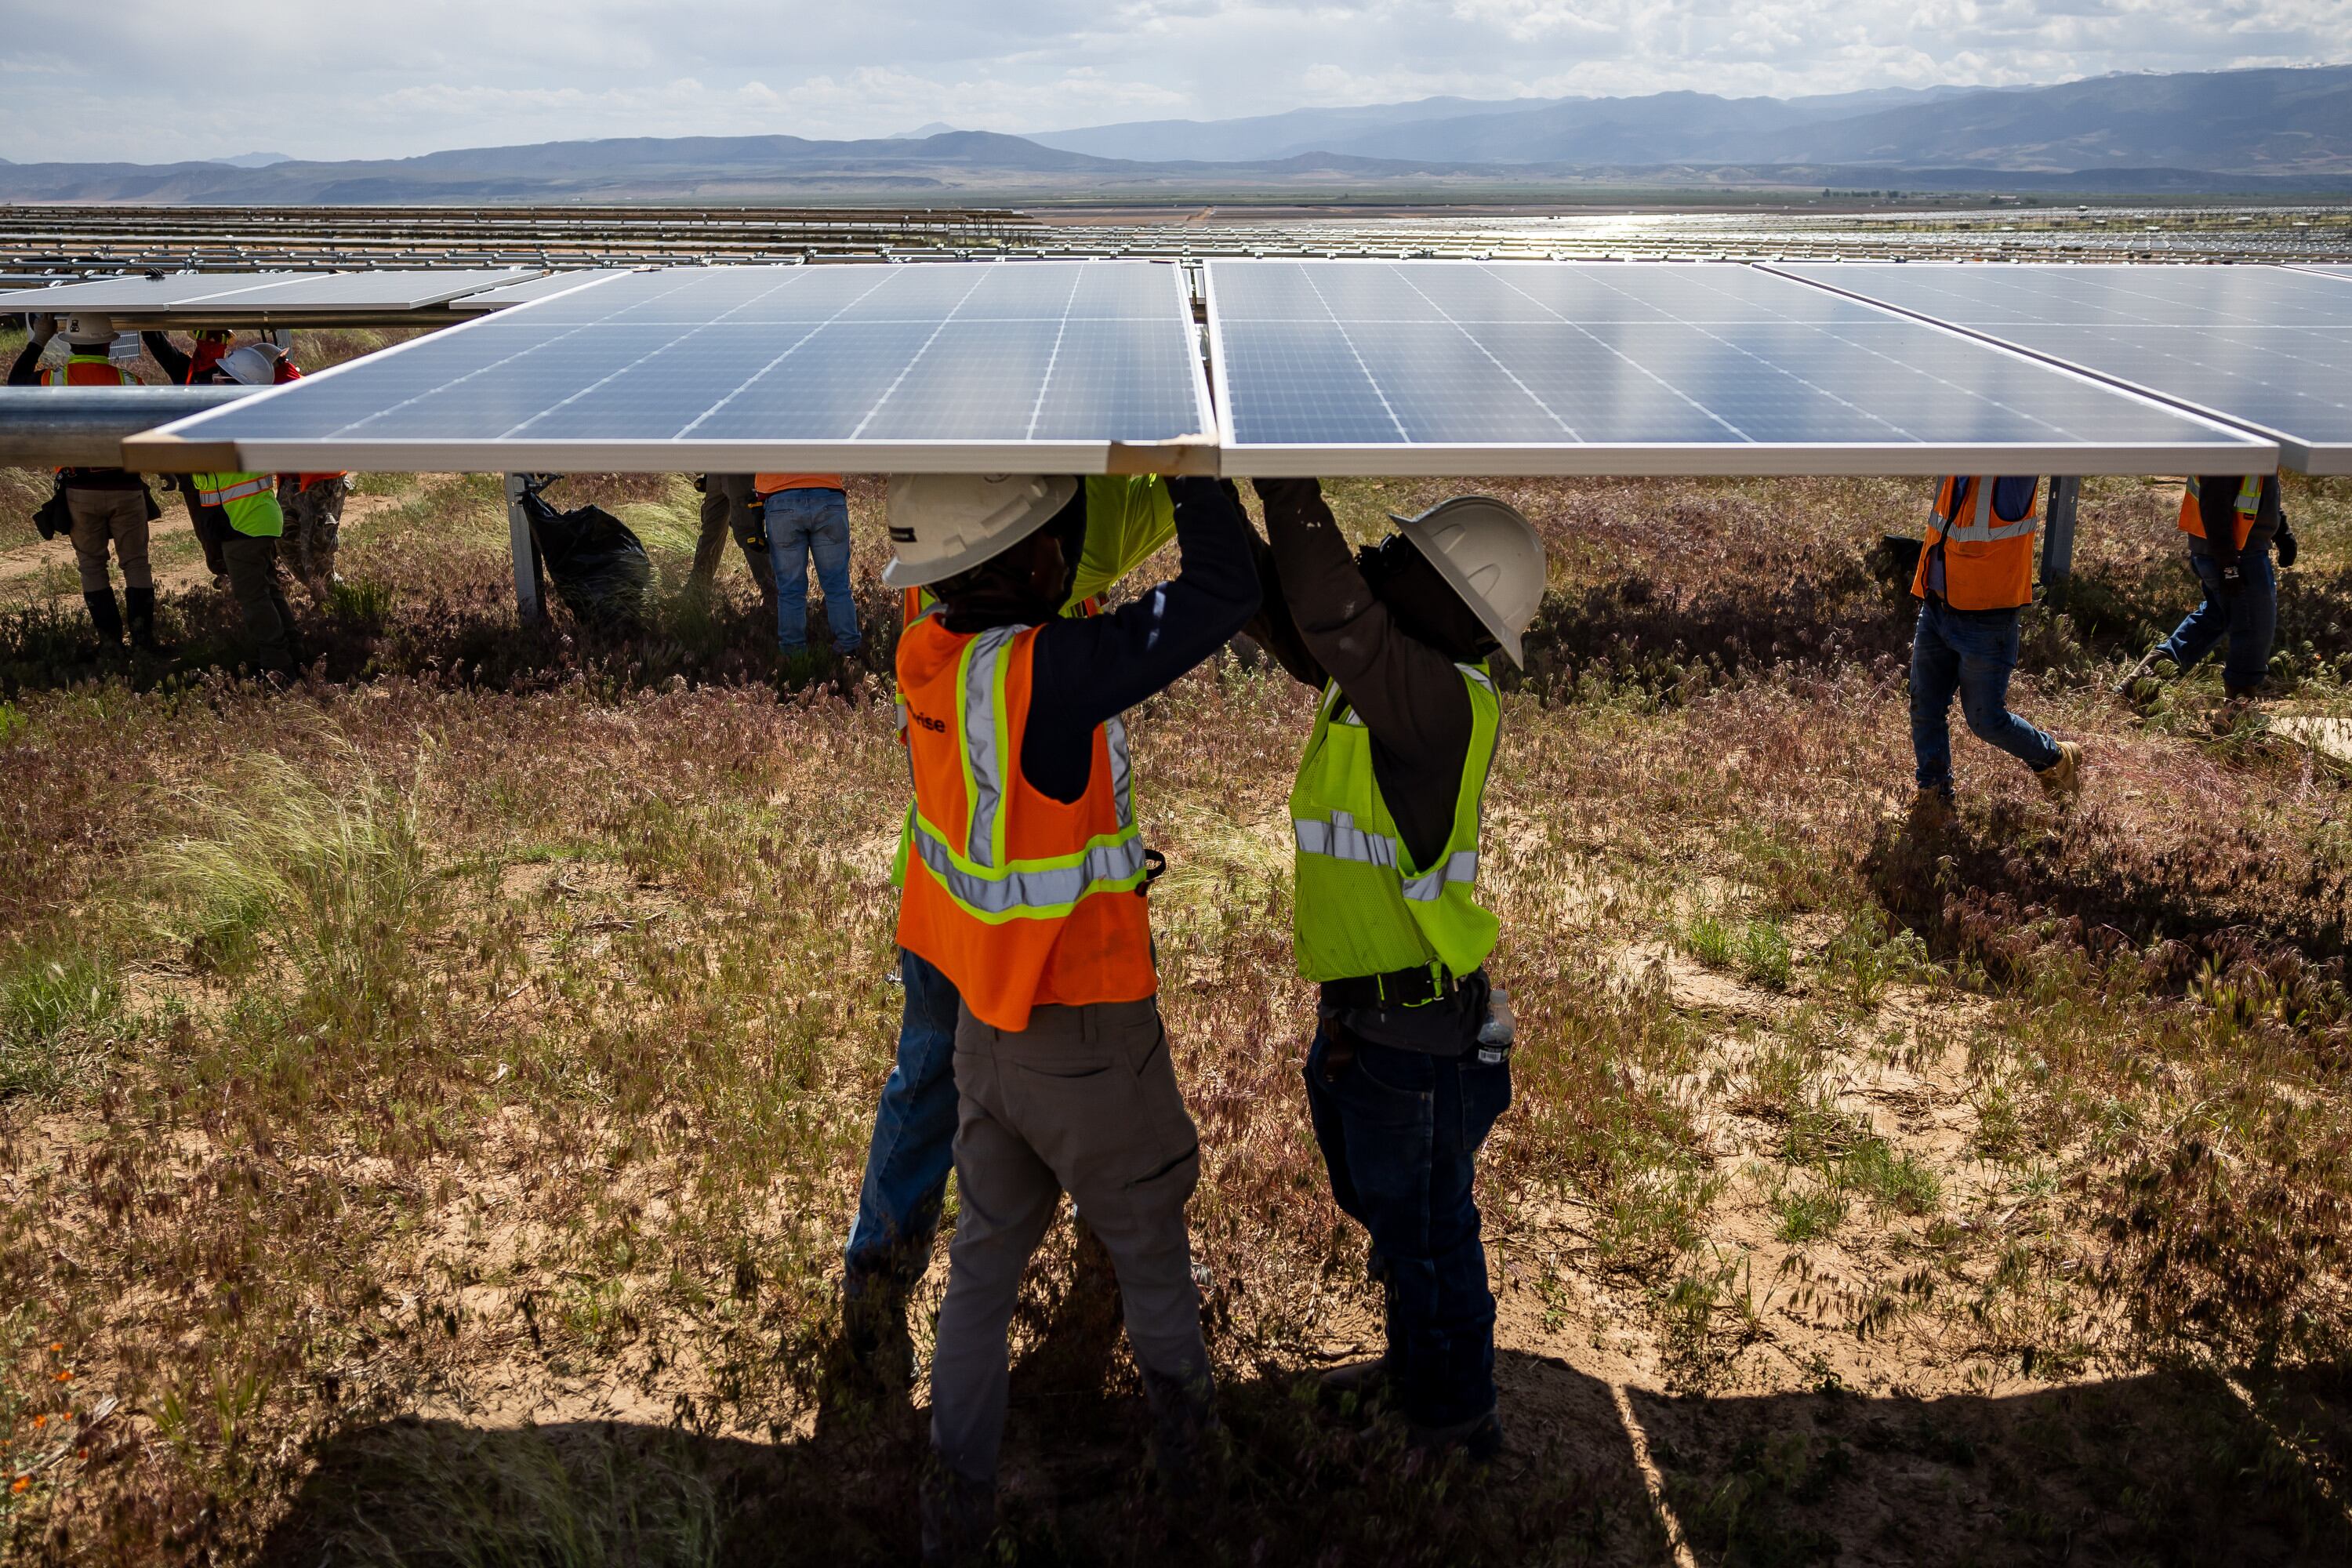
x,y
1410,1066
194,369
1024,889
806,517
1127,521
2232,523
728,508
248,504
1975,576
106,506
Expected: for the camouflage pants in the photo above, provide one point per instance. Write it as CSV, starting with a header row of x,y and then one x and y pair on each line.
x,y
314,520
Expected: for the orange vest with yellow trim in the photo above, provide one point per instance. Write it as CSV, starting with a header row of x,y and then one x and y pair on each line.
x,y
1020,899
2249,509
1988,556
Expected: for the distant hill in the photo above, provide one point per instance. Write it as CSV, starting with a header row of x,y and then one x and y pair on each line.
x,y
254,159
2273,131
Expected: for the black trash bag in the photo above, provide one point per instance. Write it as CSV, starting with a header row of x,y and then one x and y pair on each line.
x,y
598,566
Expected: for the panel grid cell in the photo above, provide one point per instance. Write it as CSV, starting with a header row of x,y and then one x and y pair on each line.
x,y
2267,348
1646,368
766,367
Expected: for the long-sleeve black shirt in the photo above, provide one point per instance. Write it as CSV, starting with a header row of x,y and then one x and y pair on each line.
x,y
1409,694
166,355
27,371
2217,506
1089,669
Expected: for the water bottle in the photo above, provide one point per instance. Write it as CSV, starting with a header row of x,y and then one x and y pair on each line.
x,y
1496,1033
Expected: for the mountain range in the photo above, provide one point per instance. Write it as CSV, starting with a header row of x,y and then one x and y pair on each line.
x,y
2273,131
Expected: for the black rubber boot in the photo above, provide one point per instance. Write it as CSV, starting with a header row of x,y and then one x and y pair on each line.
x,y
138,612
106,615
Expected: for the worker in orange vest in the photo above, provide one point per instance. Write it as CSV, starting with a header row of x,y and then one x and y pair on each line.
x,y
1975,575
105,505
2232,523
1025,887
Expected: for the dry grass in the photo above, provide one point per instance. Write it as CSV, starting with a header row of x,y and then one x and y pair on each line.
x,y
432,1099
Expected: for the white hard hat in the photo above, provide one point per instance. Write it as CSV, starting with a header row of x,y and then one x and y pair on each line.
x,y
87,332
252,364
941,524
1491,555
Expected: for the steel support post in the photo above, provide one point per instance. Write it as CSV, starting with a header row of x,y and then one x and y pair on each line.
x,y
2058,541
531,581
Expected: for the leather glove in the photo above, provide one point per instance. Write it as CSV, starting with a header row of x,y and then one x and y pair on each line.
x,y
2233,580
2288,547
44,329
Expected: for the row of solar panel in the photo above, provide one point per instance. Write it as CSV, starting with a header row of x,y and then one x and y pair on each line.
x,y
1347,367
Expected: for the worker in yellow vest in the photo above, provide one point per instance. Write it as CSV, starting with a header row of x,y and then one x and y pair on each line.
x,y
2232,523
1410,1066
249,504
105,505
1975,576
1025,887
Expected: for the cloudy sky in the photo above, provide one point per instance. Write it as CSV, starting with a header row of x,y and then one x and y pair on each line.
x,y
152,81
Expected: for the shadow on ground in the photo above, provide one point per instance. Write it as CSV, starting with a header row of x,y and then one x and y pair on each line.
x,y
2167,1469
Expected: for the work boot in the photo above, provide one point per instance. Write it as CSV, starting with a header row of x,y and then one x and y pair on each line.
x,y
1359,1385
874,1338
1479,1439
2236,702
2065,776
1931,809
1184,1433
958,1513
138,612
106,615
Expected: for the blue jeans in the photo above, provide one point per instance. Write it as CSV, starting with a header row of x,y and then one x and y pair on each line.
x,y
1970,652
2250,620
906,1165
803,524
1400,1132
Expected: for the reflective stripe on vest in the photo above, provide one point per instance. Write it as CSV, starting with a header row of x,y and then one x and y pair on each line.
x,y
87,370
251,485
1362,908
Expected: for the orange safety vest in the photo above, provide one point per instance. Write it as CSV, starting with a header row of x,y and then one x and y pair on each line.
x,y
2249,509
1988,555
87,370
769,484
1021,900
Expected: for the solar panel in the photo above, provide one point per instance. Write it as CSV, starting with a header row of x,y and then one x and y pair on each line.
x,y
1631,368
537,288
274,292
1061,366
2269,348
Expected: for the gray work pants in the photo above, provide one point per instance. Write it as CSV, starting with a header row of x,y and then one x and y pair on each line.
x,y
1083,1101
98,516
727,508
260,590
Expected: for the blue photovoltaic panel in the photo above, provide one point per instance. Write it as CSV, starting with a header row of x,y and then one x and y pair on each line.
x,y
1645,368
273,292
736,369
2269,348
536,288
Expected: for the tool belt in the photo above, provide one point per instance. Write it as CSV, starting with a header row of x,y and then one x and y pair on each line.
x,y
1397,988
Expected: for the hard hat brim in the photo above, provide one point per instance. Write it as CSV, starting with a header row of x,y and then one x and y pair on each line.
x,y
1507,636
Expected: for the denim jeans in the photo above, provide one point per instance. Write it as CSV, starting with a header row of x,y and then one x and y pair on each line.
x,y
906,1165
1970,652
1400,1132
2250,620
803,524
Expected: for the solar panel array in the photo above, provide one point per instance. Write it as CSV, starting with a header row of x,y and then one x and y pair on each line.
x,y
1339,366
2266,347
214,292
1054,365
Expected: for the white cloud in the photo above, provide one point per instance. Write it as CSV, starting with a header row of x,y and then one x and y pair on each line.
x,y
151,80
